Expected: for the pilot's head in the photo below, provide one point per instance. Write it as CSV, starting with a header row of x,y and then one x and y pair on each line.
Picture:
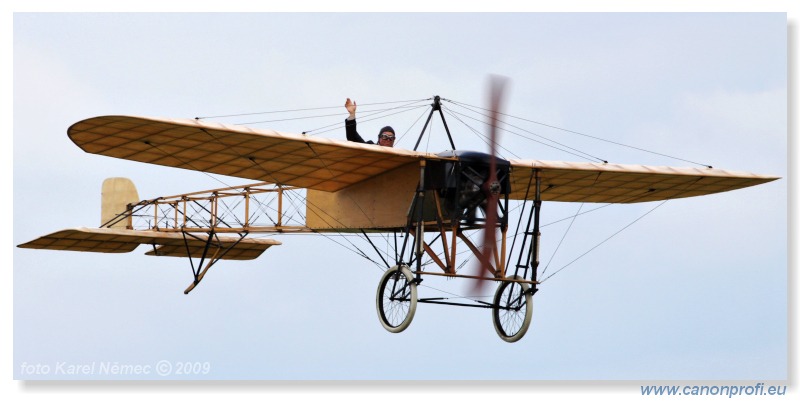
x,y
386,137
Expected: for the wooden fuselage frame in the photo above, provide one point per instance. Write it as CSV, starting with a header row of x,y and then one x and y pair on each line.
x,y
381,202
384,203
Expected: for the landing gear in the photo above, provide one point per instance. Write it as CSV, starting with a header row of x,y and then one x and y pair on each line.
x,y
452,188
512,310
397,298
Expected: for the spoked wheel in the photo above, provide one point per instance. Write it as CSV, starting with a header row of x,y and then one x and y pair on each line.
x,y
512,310
397,298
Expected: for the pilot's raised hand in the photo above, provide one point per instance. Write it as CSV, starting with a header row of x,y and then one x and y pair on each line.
x,y
351,107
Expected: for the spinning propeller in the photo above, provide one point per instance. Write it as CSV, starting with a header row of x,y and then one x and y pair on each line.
x,y
491,187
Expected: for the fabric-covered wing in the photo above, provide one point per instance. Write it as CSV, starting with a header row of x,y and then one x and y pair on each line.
x,y
264,155
104,240
611,183
331,165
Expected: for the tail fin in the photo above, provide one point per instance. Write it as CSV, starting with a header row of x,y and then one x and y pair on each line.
x,y
116,194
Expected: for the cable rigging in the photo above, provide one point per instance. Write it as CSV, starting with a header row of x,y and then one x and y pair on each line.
x,y
587,135
410,105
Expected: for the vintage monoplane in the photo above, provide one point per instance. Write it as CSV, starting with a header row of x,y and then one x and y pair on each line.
x,y
428,204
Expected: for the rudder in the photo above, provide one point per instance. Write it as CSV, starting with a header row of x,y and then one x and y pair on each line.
x,y
116,194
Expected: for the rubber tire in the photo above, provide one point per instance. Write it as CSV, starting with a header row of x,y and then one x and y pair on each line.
x,y
410,305
498,321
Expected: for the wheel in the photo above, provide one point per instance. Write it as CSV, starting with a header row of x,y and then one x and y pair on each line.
x,y
512,310
397,298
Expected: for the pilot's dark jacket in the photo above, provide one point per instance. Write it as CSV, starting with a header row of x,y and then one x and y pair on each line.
x,y
352,134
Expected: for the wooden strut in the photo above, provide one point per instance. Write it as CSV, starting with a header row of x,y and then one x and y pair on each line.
x,y
183,218
449,267
449,253
483,278
477,252
432,254
535,241
419,237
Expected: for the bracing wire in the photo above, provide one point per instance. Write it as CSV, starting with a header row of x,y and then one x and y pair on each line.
x,y
299,110
585,135
400,138
559,146
371,115
480,136
562,238
605,240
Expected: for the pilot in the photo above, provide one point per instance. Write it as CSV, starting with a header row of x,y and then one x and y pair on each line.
x,y
385,136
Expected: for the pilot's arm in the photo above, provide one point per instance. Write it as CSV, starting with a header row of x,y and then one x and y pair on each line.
x,y
350,123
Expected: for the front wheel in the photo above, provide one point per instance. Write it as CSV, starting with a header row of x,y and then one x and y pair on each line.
x,y
512,310
397,298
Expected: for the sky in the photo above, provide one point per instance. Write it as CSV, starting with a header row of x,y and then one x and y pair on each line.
x,y
697,290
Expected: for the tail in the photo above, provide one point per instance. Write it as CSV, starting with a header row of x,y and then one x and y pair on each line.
x,y
116,194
